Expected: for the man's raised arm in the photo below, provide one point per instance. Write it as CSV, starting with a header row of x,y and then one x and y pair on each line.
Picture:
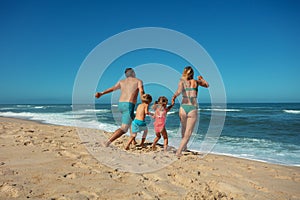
x,y
109,90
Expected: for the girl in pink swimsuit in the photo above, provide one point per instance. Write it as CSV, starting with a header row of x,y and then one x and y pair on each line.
x,y
161,109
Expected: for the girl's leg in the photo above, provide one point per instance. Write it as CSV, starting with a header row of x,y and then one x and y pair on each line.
x,y
190,124
155,141
165,136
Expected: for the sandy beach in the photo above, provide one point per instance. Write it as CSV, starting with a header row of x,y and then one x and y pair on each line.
x,y
41,161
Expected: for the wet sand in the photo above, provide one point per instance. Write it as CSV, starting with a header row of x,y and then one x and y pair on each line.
x,y
41,161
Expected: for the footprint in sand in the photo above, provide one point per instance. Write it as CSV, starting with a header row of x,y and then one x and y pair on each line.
x,y
69,154
257,186
70,175
89,194
28,143
80,165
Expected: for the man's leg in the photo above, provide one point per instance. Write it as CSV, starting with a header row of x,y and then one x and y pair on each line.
x,y
118,133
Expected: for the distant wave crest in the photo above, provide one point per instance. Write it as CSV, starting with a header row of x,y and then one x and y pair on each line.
x,y
292,111
222,110
97,110
38,107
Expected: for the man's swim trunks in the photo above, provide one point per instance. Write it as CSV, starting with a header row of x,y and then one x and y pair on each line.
x,y
127,110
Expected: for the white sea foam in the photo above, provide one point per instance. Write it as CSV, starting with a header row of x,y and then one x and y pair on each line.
x,y
107,127
221,110
8,108
256,149
292,111
171,112
23,106
17,115
38,107
97,110
65,119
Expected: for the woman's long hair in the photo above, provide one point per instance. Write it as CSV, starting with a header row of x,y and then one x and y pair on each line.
x,y
188,73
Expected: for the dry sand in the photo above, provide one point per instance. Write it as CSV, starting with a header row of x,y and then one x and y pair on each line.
x,y
40,161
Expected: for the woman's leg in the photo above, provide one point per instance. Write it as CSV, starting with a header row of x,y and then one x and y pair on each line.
x,y
190,124
183,121
183,118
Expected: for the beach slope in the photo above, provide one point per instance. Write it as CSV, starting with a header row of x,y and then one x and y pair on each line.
x,y
41,161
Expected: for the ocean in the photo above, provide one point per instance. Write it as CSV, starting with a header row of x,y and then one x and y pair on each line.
x,y
267,132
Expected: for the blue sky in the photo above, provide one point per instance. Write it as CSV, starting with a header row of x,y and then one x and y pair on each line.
x,y
255,44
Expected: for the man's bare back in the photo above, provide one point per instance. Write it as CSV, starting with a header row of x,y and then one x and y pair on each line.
x,y
129,89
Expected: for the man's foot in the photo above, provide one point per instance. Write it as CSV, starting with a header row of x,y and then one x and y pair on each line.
x,y
106,144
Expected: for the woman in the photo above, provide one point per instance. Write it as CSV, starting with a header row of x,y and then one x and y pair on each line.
x,y
188,111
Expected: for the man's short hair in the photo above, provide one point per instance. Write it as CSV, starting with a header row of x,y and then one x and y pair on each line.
x,y
129,72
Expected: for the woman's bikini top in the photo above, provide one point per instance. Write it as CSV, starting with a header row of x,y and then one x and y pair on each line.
x,y
189,89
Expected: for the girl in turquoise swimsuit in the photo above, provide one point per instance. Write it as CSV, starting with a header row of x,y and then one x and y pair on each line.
x,y
188,112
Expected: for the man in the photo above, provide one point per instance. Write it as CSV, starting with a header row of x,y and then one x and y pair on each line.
x,y
130,87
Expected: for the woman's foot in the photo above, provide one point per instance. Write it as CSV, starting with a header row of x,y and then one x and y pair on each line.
x,y
179,155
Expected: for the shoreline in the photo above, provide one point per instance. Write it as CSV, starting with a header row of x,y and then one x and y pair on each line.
x,y
191,150
254,160
48,161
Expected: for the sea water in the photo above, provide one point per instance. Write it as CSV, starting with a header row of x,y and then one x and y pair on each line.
x,y
268,132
